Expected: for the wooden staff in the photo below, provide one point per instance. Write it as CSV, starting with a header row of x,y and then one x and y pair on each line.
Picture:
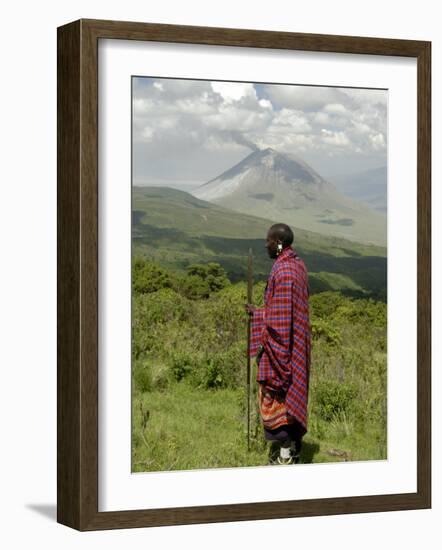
x,y
249,301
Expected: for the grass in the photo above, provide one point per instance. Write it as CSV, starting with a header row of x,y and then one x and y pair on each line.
x,y
189,392
190,428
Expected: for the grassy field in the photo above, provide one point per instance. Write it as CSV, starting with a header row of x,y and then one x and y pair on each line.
x,y
189,392
189,428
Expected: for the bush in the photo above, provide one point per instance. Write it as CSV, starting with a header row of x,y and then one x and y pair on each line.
x,y
213,374
222,370
194,287
321,328
161,306
150,374
324,305
333,398
161,376
142,376
181,364
148,276
202,279
151,314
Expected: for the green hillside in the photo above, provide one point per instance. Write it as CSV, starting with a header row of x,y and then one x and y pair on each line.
x,y
176,229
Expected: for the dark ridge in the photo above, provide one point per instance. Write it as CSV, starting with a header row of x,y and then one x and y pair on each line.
x,y
296,171
342,221
137,216
263,196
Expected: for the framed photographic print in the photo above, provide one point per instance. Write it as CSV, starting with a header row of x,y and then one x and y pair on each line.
x,y
243,274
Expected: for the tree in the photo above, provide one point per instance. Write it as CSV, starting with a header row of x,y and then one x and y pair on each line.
x,y
148,276
213,274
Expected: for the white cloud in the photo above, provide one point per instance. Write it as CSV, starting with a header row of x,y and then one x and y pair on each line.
x,y
309,98
321,118
335,108
360,127
193,106
366,96
290,120
378,141
147,133
230,117
226,119
338,139
142,106
265,103
233,91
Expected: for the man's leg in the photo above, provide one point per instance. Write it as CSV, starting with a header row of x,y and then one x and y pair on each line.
x,y
295,449
280,444
296,433
285,452
286,442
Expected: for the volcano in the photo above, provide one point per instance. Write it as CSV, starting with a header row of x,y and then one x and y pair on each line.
x,y
284,188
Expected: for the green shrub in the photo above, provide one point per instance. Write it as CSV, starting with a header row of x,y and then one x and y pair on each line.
x,y
194,287
161,376
333,398
142,376
324,329
181,364
148,276
214,374
325,304
160,306
225,369
211,273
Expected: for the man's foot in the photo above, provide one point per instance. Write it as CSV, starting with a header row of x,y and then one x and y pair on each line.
x,y
288,460
273,452
290,455
295,458
295,451
278,459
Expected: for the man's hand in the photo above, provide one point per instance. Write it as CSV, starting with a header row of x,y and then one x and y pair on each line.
x,y
250,308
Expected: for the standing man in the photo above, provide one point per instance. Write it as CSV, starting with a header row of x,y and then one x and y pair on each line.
x,y
281,342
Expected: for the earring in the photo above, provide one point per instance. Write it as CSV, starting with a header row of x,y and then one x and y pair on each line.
x,y
279,248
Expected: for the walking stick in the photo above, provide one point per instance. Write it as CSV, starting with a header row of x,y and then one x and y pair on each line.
x,y
249,301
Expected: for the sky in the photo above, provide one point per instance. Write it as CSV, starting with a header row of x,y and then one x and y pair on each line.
x,y
187,132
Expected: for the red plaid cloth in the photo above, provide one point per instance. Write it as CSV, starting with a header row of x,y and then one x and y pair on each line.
x,y
282,327
272,409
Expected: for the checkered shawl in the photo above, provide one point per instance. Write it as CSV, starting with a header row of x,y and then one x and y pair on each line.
x,y
282,327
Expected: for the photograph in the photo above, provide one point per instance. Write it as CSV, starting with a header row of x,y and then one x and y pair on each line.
x,y
259,274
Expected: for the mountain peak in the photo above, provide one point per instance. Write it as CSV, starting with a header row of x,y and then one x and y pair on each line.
x,y
268,151
267,157
262,168
280,186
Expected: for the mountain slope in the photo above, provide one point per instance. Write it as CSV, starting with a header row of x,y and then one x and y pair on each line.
x,y
369,186
282,188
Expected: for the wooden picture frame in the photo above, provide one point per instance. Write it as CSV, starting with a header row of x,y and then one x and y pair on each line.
x,y
77,280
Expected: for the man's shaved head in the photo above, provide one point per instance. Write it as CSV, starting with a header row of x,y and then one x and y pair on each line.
x,y
281,232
